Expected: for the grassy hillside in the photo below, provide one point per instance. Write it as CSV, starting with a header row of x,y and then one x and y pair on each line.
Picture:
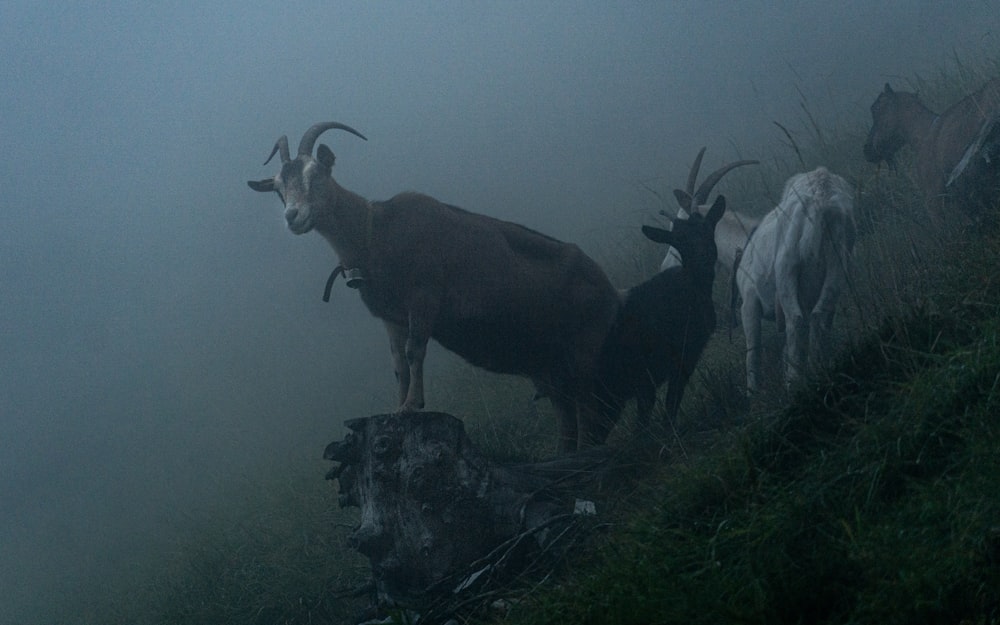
x,y
872,497
868,495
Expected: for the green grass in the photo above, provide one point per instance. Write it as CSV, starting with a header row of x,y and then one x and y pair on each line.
x,y
872,497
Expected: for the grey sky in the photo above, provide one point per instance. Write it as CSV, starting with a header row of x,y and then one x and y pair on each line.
x,y
158,324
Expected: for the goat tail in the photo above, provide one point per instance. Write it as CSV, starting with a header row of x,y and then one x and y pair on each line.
x,y
833,230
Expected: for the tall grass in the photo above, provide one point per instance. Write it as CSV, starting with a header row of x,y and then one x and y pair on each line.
x,y
871,497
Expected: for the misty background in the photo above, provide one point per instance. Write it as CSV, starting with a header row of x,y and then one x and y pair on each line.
x,y
163,343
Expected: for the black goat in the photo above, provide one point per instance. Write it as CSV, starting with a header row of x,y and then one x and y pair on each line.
x,y
664,323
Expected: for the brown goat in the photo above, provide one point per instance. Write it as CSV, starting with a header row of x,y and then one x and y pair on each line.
x,y
504,297
956,152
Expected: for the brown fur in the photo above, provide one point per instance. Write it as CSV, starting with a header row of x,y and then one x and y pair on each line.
x,y
940,142
502,296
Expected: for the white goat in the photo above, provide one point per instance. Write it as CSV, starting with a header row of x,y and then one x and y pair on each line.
x,y
733,229
794,267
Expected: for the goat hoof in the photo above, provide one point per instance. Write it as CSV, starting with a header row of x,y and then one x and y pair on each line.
x,y
410,408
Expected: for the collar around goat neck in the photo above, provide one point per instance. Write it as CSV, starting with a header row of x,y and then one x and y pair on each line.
x,y
355,279
355,276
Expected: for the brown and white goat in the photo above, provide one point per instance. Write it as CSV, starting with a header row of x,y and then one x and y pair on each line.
x,y
733,229
794,268
664,322
957,153
504,297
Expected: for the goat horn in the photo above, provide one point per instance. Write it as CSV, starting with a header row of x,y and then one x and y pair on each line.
x,y
281,145
693,175
309,139
701,197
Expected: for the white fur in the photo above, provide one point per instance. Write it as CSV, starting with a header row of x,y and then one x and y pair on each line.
x,y
795,266
298,211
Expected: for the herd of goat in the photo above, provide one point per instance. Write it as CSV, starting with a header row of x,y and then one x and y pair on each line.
x,y
512,300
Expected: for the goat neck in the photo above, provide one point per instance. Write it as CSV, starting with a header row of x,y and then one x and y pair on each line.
x,y
347,225
920,124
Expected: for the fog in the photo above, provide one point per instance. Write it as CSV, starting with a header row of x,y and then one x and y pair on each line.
x,y
162,336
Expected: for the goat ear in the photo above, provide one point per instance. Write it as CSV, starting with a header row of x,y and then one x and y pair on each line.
x,y
683,198
658,234
718,208
888,89
325,156
261,185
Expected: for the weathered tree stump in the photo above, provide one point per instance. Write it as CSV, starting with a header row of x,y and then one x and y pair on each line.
x,y
440,523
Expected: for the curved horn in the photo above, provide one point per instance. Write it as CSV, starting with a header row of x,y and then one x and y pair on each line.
x,y
701,197
693,175
281,145
309,139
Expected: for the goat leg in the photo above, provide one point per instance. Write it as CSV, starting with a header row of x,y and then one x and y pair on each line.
x,y
645,401
423,308
675,393
416,351
796,339
597,417
820,339
566,413
397,346
750,314
821,323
